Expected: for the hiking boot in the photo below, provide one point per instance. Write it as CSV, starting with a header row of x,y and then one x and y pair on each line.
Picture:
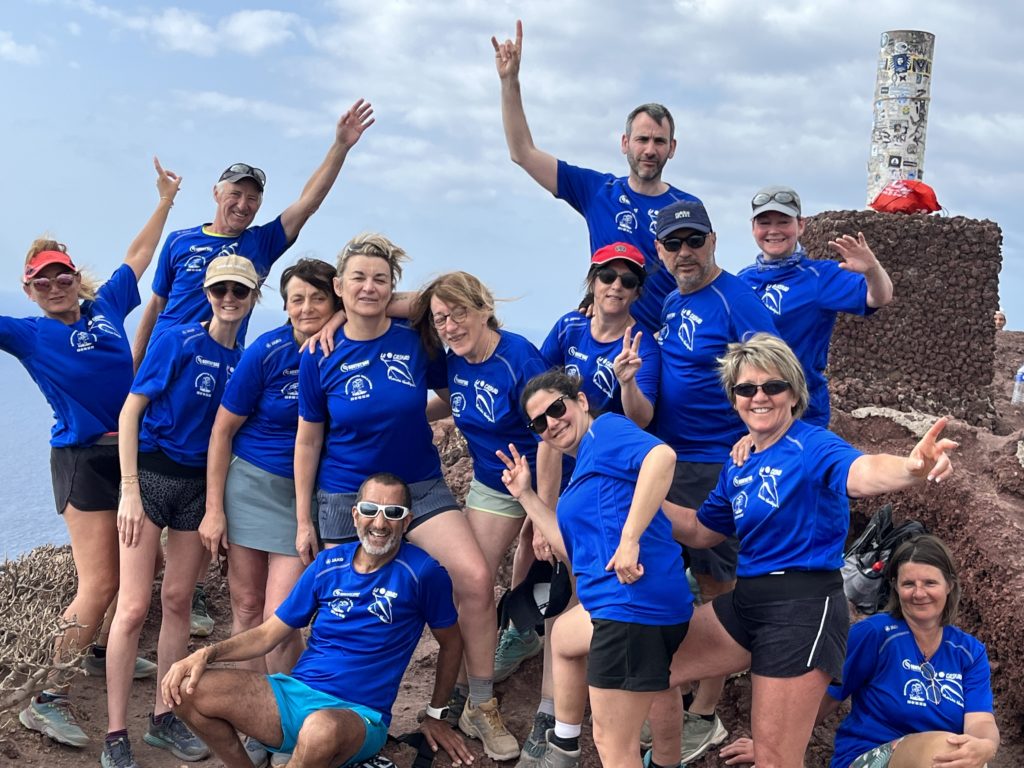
x,y
173,735
201,625
537,741
699,735
514,647
118,754
94,666
484,723
258,754
555,757
53,719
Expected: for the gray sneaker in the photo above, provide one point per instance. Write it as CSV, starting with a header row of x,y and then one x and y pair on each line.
x,y
174,736
118,754
699,735
97,667
537,741
555,757
258,754
54,719
200,625
514,647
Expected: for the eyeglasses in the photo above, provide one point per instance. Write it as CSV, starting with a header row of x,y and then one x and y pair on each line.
x,y
556,410
607,275
761,198
695,241
458,316
391,511
248,170
63,281
928,673
220,290
770,388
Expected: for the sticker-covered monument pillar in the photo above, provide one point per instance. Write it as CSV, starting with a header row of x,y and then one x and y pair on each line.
x,y
902,94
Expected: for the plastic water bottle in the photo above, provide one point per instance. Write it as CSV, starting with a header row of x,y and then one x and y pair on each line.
x,y
1018,387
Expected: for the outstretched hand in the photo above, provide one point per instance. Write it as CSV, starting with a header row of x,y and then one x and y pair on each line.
x,y
352,124
930,458
509,54
628,361
856,254
167,182
516,477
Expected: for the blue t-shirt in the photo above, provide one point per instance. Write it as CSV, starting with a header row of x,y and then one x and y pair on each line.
x,y
804,299
485,404
591,513
373,396
694,415
84,369
617,214
367,625
183,375
787,504
265,389
892,698
570,344
182,267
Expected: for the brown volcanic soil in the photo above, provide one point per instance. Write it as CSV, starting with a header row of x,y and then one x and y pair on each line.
x,y
979,512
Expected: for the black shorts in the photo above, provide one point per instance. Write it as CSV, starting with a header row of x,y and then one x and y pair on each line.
x,y
632,657
86,477
790,622
692,482
173,495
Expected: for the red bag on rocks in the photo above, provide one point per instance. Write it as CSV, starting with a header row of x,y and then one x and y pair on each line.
x,y
906,196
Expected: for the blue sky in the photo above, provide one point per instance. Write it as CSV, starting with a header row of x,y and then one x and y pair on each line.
x,y
772,92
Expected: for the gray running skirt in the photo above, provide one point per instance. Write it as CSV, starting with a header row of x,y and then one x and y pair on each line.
x,y
260,508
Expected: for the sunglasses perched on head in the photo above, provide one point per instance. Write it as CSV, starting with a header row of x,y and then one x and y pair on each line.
x,y
770,388
64,281
761,198
694,241
458,316
607,275
391,511
556,410
239,291
248,170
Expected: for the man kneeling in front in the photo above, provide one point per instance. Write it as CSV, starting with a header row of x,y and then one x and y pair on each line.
x,y
371,599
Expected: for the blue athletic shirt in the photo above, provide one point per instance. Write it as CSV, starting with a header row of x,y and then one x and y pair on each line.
x,y
617,214
265,389
84,369
892,698
591,513
485,404
183,375
694,415
373,396
787,504
367,625
570,344
182,267
804,297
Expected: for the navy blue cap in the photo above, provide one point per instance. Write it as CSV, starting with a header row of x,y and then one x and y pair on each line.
x,y
685,214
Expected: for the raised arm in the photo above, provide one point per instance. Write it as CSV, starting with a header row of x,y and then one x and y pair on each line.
x,y
308,442
154,307
871,475
140,252
541,166
518,482
350,127
635,405
858,257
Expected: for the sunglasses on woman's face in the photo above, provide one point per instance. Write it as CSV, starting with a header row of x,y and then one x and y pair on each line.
x,y
770,388
220,290
391,511
695,241
556,410
63,281
608,275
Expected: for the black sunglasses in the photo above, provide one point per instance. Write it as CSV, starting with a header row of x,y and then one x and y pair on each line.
x,y
391,511
607,275
248,170
556,410
770,388
762,198
695,241
220,290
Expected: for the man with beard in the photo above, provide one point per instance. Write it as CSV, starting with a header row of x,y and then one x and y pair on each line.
x,y
617,209
370,600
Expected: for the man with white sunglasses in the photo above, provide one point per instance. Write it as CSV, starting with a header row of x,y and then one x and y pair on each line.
x,y
368,601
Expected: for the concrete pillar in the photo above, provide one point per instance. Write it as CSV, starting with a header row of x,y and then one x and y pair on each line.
x,y
902,95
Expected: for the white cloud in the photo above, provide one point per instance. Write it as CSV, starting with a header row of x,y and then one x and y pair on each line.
x,y
15,52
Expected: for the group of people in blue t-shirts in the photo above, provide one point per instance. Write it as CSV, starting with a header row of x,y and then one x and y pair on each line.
x,y
668,442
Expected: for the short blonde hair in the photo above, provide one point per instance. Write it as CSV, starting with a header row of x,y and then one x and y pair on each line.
x,y
374,244
764,352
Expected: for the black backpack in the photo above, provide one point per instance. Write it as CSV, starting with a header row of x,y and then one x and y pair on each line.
x,y
865,559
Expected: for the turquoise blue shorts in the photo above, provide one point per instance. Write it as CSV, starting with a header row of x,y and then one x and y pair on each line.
x,y
296,701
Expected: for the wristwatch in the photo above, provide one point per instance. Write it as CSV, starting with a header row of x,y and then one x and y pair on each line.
x,y
438,713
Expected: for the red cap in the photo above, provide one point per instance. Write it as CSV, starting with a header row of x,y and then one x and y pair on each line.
x,y
44,259
614,251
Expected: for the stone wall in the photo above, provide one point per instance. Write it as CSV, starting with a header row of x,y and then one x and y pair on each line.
x,y
932,348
